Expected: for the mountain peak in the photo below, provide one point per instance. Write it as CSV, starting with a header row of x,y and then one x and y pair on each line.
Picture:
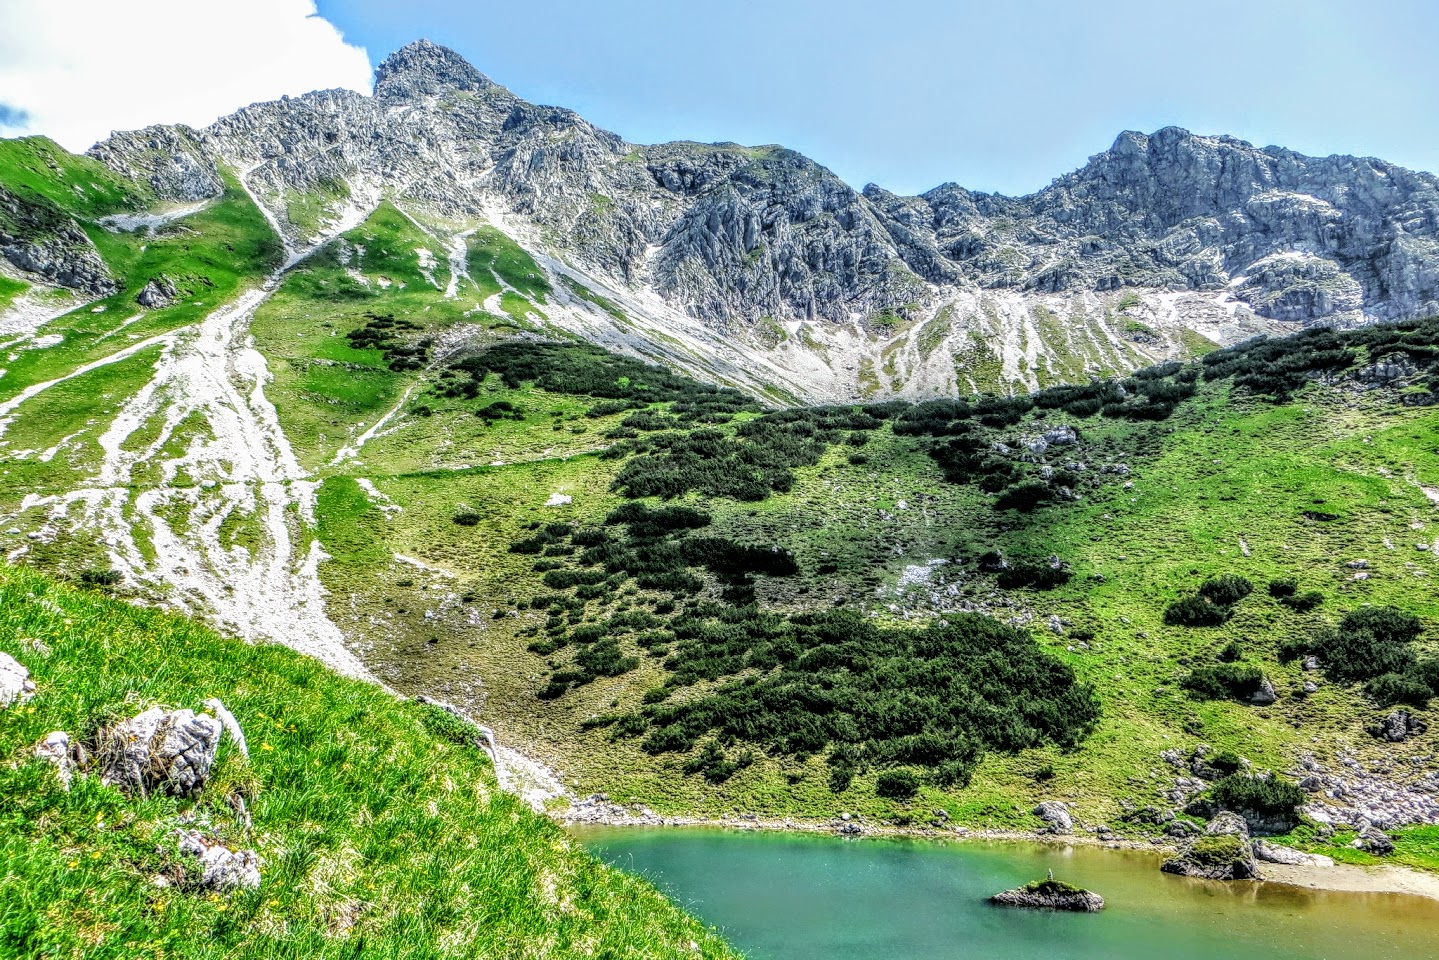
x,y
425,68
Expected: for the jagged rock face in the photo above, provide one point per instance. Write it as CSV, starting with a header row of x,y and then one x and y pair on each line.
x,y
729,233
1346,231
173,161
40,240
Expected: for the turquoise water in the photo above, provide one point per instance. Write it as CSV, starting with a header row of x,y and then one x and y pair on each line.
x,y
794,897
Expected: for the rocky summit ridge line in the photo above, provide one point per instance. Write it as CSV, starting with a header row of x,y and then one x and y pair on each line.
x,y
1158,247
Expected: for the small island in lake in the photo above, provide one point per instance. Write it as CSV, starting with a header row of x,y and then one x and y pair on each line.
x,y
1050,894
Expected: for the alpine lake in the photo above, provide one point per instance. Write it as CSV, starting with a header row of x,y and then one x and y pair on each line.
x,y
788,896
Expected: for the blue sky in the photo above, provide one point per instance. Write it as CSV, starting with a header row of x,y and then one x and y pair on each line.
x,y
1000,96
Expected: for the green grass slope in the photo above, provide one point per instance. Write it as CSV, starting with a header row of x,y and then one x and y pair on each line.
x,y
379,822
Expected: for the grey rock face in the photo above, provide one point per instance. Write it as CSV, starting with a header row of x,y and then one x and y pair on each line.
x,y
1373,840
39,239
1182,829
1399,726
1056,816
159,750
15,683
1265,695
175,161
222,869
735,234
1226,823
159,292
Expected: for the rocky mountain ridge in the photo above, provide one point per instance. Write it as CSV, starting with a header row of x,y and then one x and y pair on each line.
x,y
1159,245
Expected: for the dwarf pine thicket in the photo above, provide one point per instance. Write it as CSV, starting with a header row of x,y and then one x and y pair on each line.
x,y
828,682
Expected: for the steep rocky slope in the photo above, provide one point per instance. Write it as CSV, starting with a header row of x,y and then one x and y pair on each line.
x,y
1158,246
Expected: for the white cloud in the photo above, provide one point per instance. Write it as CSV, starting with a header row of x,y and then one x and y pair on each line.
x,y
75,70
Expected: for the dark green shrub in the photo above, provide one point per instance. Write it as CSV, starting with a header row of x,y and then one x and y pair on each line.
x,y
714,765
467,517
1195,611
992,561
1026,496
1283,587
1224,681
1292,648
1037,575
1225,762
1368,642
1304,602
500,410
100,578
934,698
1392,689
1265,794
896,785
1231,652
1225,591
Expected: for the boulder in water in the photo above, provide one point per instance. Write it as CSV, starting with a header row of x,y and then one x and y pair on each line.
x,y
1050,894
1223,852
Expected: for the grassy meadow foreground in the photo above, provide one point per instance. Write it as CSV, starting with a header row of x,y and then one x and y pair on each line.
x,y
379,824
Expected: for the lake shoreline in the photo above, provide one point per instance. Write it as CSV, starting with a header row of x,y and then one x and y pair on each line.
x,y
1340,877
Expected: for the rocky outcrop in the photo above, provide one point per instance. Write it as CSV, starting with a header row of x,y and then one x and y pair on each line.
x,y
159,292
39,239
1386,794
1267,852
159,750
221,868
15,683
1056,817
1223,852
1050,894
731,233
1264,695
1398,727
171,752
174,161
1373,840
